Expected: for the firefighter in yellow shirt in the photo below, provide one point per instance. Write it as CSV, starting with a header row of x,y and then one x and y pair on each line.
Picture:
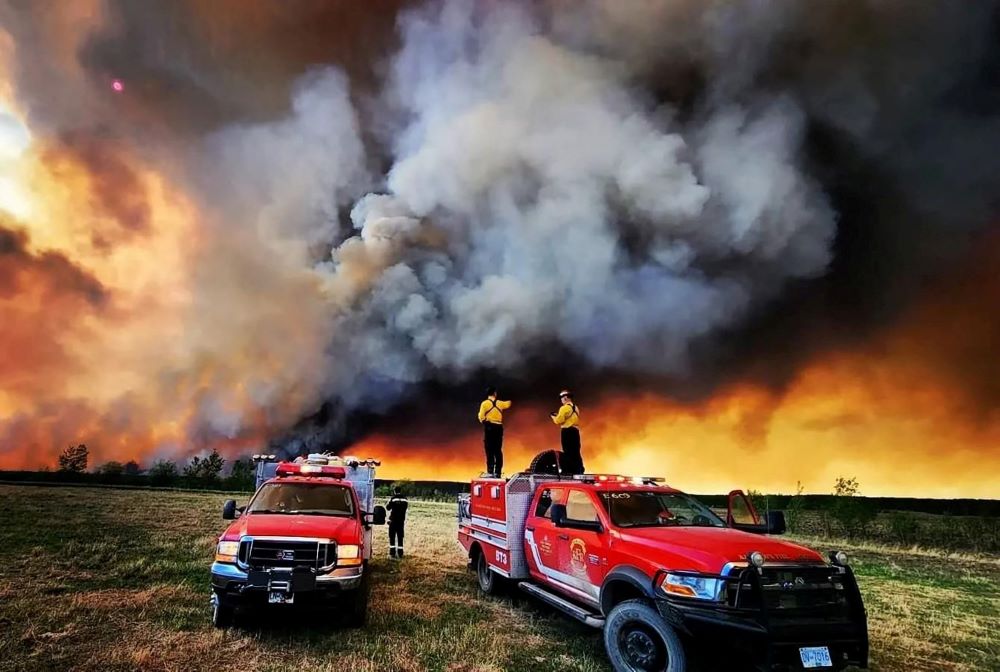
x,y
568,419
491,418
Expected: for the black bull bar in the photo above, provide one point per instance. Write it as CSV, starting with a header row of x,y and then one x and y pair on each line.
x,y
752,622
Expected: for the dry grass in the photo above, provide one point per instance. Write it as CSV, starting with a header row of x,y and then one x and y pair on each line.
x,y
929,610
99,579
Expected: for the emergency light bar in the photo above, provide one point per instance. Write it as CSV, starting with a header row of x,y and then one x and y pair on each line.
x,y
617,478
263,458
298,469
336,460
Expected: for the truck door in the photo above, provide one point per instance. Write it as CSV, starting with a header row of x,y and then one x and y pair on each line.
x,y
540,534
741,511
583,553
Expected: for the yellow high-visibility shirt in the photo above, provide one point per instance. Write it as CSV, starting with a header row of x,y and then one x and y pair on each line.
x,y
568,416
490,411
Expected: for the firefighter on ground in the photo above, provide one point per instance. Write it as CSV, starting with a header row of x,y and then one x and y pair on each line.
x,y
396,506
491,418
568,419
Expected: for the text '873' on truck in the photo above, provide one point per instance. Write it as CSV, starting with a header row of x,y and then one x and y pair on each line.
x,y
304,537
666,578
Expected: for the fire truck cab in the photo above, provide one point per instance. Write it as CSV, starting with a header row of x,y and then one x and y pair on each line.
x,y
304,537
664,576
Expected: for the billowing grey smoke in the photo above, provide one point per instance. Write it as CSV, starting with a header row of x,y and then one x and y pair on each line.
x,y
536,199
556,182
606,183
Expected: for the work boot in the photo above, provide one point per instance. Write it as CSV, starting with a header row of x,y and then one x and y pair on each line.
x,y
392,551
399,552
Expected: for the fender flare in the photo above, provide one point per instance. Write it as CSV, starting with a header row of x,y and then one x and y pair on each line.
x,y
633,576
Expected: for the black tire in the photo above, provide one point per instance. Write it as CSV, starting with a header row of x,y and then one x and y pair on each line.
x,y
223,615
546,462
356,604
490,582
637,639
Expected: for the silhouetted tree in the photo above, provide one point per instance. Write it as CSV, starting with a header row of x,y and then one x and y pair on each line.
x,y
132,468
74,459
205,468
243,474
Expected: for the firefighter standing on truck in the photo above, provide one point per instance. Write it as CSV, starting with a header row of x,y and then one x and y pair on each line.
x,y
491,418
568,419
396,506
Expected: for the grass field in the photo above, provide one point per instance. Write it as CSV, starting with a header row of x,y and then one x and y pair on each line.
x,y
106,579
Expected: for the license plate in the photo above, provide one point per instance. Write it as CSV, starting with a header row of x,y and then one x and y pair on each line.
x,y
275,597
815,656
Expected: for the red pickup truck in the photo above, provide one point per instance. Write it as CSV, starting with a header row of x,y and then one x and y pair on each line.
x,y
305,536
665,576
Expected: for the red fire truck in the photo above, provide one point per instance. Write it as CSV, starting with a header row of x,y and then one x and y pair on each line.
x,y
665,576
305,536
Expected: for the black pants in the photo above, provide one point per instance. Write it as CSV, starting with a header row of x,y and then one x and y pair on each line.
x,y
572,460
395,539
493,444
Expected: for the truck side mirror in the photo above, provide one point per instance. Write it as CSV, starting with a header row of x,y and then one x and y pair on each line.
x,y
558,512
378,515
776,522
229,510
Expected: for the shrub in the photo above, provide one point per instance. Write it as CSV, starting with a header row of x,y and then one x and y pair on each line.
x,y
903,528
111,468
163,472
243,475
793,510
405,486
849,513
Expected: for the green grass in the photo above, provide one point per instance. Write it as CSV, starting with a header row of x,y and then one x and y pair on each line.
x,y
105,579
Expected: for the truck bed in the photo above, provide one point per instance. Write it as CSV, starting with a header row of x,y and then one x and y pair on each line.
x,y
493,515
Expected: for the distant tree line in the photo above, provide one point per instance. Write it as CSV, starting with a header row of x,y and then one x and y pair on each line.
x,y
201,472
842,513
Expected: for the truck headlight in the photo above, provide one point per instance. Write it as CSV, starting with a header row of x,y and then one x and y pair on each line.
x,y
226,551
686,585
348,554
346,551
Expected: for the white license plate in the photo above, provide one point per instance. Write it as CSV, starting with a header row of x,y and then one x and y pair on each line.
x,y
815,656
275,597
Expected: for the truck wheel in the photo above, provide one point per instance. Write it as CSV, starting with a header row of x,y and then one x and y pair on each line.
x,y
637,639
489,581
223,615
356,612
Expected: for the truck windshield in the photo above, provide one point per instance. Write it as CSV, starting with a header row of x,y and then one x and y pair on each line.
x,y
647,509
303,498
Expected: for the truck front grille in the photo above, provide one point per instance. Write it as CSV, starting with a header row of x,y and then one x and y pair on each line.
x,y
289,554
811,589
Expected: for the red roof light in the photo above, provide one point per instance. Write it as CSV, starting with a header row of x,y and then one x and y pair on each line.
x,y
296,469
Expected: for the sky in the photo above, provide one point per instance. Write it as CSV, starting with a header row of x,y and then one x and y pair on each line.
x,y
760,243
